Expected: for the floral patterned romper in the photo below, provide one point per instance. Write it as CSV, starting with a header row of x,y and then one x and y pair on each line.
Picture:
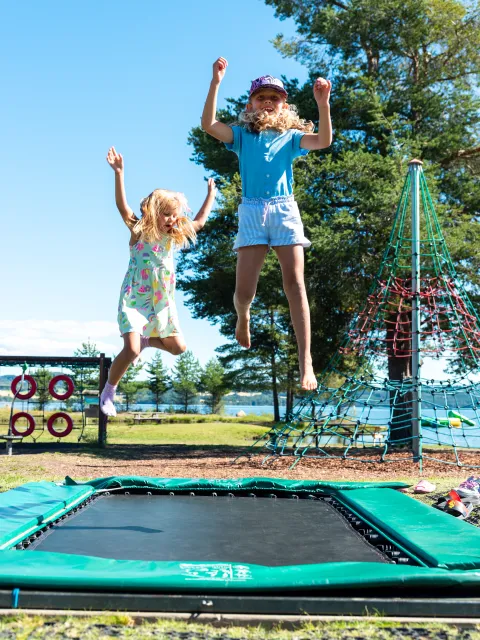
x,y
147,299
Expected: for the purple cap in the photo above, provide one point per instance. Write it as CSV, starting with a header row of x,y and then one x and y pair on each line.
x,y
268,82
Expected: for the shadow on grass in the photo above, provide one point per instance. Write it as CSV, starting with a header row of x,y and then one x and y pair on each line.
x,y
133,451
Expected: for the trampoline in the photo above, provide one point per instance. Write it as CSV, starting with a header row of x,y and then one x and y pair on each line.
x,y
239,546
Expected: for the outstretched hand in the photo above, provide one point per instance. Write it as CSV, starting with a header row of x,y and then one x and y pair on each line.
x,y
219,67
321,91
115,160
212,188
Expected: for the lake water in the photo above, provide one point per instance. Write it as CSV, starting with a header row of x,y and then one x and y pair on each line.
x,y
465,436
229,410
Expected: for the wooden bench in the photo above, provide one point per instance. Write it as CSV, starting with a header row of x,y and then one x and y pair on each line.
x,y
153,417
91,411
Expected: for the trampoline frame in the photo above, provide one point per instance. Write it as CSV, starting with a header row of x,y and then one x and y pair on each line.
x,y
447,582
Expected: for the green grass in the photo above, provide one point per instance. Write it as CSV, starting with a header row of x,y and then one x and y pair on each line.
x,y
122,626
14,473
190,429
214,433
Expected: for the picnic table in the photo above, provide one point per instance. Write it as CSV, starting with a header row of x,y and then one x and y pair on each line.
x,y
152,417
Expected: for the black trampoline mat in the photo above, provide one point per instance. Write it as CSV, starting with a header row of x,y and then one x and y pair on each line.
x,y
265,531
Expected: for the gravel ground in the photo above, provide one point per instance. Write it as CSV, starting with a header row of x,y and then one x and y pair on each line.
x,y
189,461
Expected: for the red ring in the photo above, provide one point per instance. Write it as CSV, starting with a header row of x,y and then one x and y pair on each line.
x,y
31,424
68,392
68,428
28,394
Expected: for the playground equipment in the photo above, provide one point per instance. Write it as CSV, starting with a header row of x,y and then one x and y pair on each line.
x,y
160,544
415,346
80,377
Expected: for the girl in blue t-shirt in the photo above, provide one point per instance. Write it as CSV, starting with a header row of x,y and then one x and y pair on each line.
x,y
270,136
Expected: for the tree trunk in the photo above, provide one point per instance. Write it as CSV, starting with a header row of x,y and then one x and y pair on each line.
x,y
273,363
276,407
399,351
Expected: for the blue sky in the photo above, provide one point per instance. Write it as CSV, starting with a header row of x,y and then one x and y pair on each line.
x,y
78,77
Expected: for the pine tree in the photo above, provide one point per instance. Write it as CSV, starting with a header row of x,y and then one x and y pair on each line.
x,y
214,380
186,378
86,378
158,379
42,377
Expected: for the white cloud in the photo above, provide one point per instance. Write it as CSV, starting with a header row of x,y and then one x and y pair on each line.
x,y
56,337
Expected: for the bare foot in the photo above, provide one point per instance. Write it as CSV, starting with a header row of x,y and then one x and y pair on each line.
x,y
242,332
307,378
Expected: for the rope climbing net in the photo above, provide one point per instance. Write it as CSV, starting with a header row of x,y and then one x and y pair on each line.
x,y
414,390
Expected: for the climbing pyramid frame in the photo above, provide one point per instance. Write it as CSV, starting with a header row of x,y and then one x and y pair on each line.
x,y
414,391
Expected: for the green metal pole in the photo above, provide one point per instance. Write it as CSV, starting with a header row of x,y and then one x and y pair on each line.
x,y
415,168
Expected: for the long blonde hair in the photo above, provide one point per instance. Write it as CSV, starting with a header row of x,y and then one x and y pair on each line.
x,y
159,203
288,118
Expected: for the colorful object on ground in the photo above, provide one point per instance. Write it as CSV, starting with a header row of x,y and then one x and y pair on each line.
x,y
454,505
417,317
469,490
424,486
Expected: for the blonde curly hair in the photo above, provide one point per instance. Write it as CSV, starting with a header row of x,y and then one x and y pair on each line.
x,y
163,202
288,118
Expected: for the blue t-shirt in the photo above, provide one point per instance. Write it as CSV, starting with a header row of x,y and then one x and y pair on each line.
x,y
266,160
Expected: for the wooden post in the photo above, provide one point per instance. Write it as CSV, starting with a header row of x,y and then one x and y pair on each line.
x,y
102,418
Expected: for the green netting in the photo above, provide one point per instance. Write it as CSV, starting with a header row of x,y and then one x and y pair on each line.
x,y
408,366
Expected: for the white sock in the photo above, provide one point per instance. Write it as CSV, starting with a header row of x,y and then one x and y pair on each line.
x,y
106,400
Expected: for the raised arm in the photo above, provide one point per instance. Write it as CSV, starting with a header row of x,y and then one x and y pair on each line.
x,y
210,124
202,215
115,160
323,138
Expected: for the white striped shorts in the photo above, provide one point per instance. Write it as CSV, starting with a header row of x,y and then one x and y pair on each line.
x,y
274,221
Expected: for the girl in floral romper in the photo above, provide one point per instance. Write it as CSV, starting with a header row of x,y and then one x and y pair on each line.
x,y
147,314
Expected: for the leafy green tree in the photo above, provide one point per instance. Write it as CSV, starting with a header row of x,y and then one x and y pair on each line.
x,y
215,381
186,378
42,377
129,386
158,379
